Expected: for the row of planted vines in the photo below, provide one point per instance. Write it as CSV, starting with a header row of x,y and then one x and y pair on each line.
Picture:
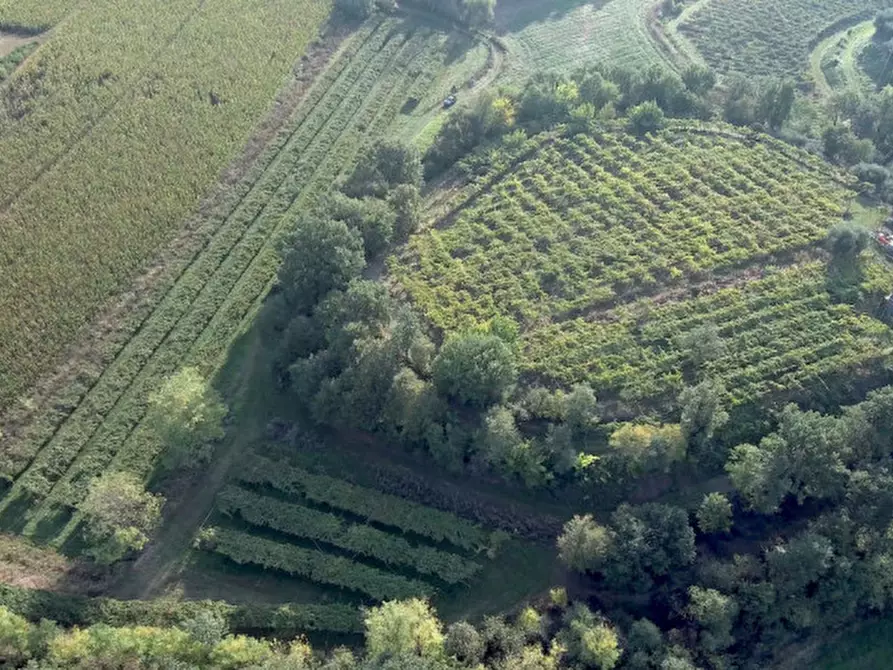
x,y
337,534
95,423
767,38
577,240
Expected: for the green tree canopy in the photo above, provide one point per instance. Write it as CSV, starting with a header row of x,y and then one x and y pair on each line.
x,y
403,627
475,368
187,415
119,515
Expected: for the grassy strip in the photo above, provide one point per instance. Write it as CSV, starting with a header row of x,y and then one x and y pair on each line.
x,y
317,566
366,503
366,541
284,620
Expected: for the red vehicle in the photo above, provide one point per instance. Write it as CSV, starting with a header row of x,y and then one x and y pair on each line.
x,y
884,239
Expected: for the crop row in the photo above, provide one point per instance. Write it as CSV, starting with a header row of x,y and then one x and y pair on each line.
x,y
366,503
359,539
587,219
767,38
244,548
227,227
216,314
778,334
101,163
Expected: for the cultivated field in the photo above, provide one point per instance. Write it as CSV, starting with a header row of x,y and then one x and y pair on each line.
x,y
764,37
571,33
95,424
101,163
594,245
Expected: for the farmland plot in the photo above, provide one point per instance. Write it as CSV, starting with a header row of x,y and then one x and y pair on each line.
x,y
55,458
568,241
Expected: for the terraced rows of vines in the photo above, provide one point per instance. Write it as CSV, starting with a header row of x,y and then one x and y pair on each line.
x,y
356,544
95,424
766,38
608,249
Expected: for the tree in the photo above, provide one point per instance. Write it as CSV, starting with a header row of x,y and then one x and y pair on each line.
x,y
590,640
464,642
15,636
385,165
647,448
846,241
499,438
187,415
323,255
478,13
702,345
699,79
750,470
646,117
584,545
650,541
715,613
475,368
407,627
406,202
702,415
715,514
119,514
373,218
841,145
776,103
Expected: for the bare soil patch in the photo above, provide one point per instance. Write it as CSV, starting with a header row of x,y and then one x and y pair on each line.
x,y
9,42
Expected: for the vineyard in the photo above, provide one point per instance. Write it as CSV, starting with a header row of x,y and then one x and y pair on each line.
x,y
365,543
769,38
574,241
96,423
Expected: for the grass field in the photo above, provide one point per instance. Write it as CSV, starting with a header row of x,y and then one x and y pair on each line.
x,y
572,33
101,127
606,249
765,37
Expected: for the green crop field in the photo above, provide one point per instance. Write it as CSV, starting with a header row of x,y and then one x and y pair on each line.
x,y
137,132
571,33
570,240
95,423
764,37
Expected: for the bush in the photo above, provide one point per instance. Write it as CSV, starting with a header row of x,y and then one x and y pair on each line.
x,y
647,117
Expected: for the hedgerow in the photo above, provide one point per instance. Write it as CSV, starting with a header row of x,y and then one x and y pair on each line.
x,y
359,539
318,566
277,620
381,508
